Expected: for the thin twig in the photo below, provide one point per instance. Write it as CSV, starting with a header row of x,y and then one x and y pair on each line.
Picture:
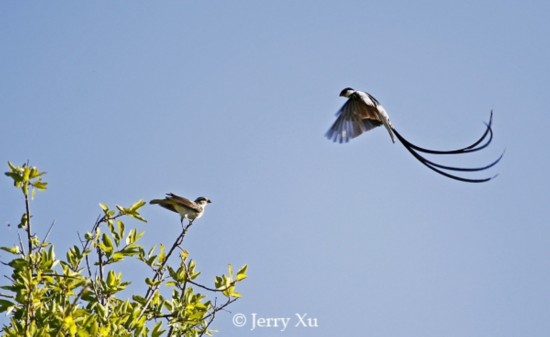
x,y
160,270
6,295
48,233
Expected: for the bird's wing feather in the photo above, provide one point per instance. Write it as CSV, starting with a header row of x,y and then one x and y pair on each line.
x,y
379,111
164,203
365,108
183,201
354,118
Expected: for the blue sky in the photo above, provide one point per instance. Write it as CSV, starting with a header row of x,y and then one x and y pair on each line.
x,y
121,101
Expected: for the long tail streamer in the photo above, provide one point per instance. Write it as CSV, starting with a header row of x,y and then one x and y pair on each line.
x,y
414,149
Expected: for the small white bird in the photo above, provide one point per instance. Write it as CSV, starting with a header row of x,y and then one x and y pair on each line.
x,y
361,113
186,208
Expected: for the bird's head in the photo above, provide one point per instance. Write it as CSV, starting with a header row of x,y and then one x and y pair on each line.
x,y
347,92
202,201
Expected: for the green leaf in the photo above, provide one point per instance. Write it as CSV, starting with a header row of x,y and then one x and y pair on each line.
x,y
111,225
26,173
40,185
151,283
16,174
157,330
120,226
184,254
24,221
131,237
139,235
5,305
69,325
137,205
18,264
139,299
162,254
138,217
112,279
13,250
107,244
35,173
12,167
104,207
118,256
241,274
131,249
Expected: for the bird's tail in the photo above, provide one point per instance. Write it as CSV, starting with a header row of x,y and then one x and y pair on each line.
x,y
390,131
414,149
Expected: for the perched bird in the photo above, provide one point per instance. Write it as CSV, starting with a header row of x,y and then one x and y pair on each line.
x,y
186,208
362,112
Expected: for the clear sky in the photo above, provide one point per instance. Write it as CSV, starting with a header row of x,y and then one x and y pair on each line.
x,y
127,100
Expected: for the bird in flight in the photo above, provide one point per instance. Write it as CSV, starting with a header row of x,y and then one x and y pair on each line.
x,y
186,208
362,112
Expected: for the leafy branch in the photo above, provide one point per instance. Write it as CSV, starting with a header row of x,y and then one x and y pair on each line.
x,y
80,295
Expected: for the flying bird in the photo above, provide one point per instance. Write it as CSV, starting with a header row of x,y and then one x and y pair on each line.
x,y
362,112
186,208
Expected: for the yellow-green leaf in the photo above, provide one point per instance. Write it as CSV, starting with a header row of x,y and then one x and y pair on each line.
x,y
241,274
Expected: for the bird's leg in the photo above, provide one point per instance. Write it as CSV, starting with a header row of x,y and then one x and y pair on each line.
x,y
184,227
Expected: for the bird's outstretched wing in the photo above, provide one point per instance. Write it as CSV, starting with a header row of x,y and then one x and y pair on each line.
x,y
353,118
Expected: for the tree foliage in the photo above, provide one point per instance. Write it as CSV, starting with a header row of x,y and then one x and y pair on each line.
x,y
80,294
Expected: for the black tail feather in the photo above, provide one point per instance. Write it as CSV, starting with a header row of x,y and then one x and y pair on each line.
x,y
471,148
412,148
